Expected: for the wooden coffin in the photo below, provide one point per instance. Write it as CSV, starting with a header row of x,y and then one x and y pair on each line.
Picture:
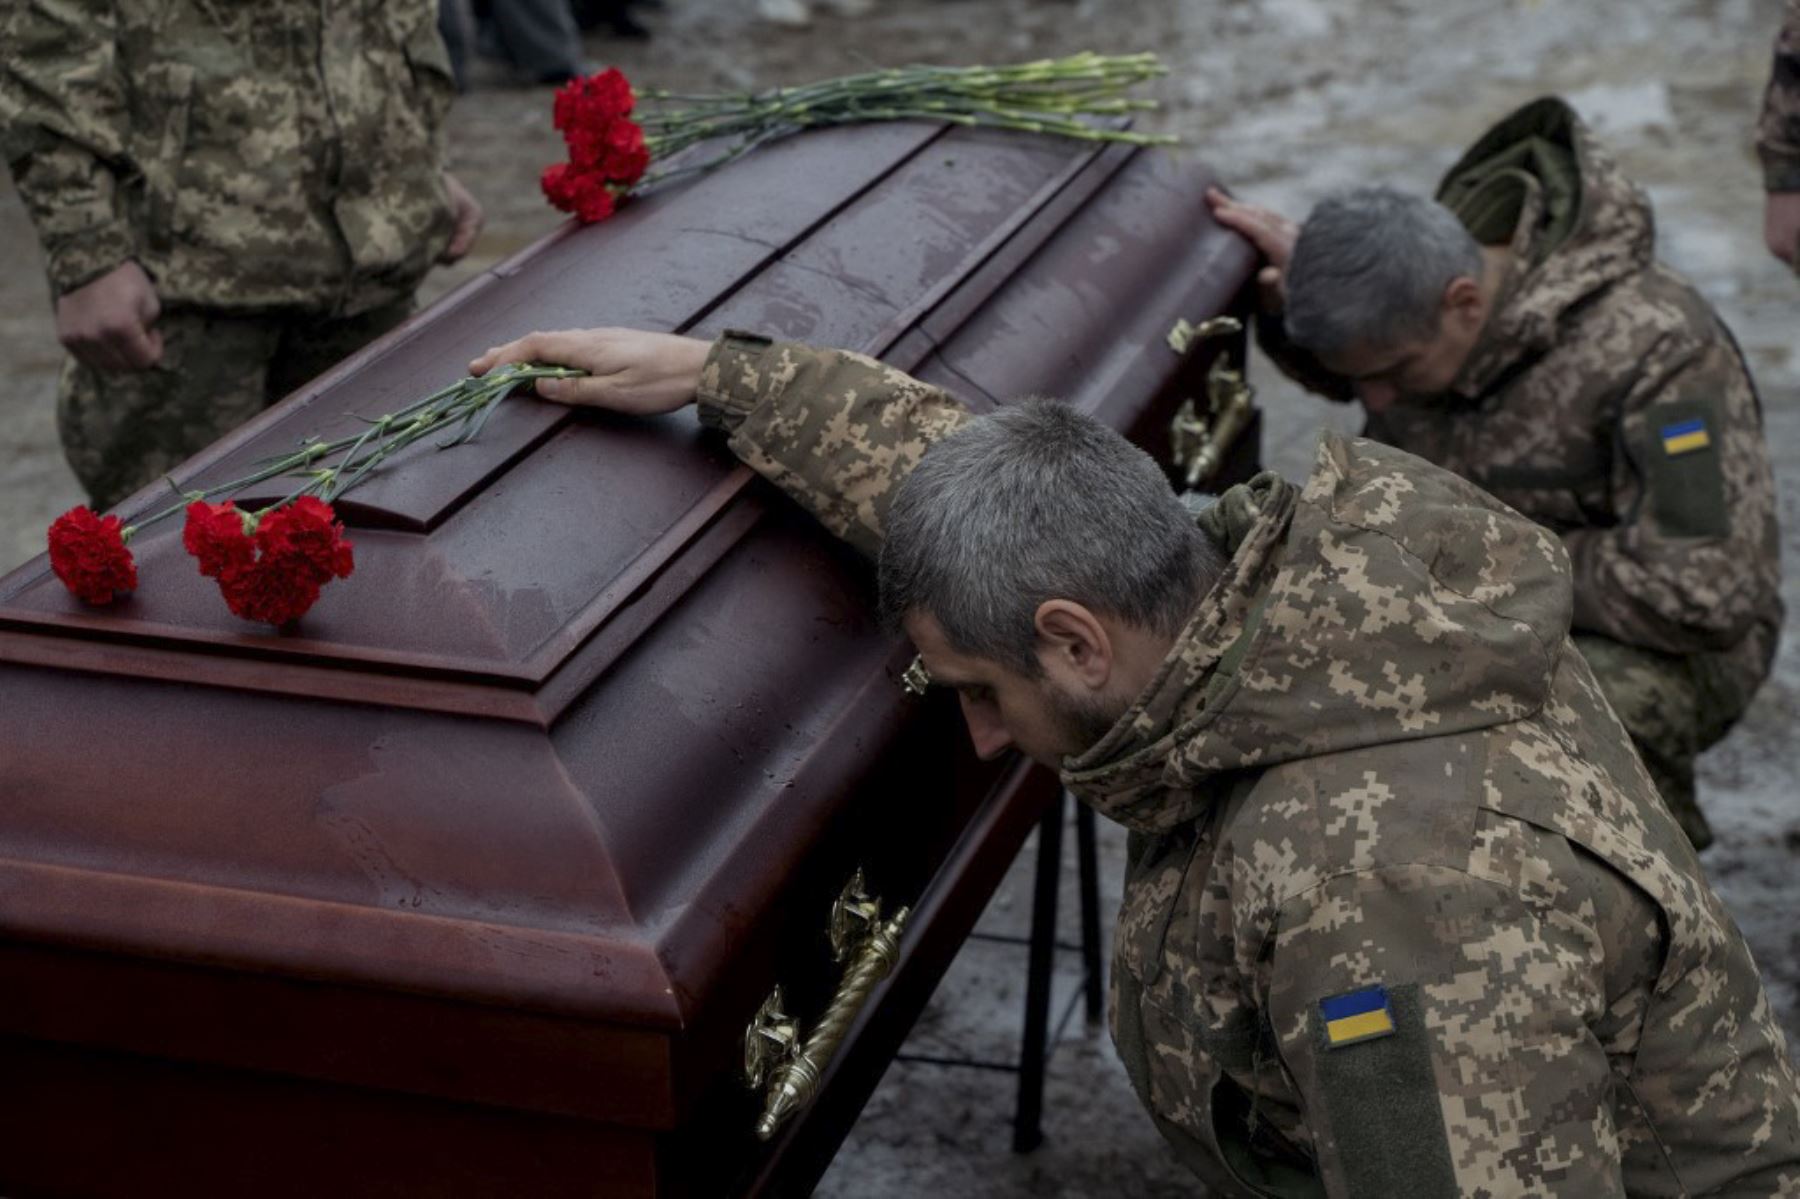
x,y
471,882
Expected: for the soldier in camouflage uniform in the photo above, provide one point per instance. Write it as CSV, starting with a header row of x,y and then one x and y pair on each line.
x,y
231,197
1573,376
1403,914
1778,143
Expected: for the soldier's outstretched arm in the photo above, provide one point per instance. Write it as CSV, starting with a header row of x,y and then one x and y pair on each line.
x,y
64,128
1693,563
1436,1027
1778,142
835,430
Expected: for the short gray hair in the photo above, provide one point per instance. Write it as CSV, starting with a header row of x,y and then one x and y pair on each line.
x,y
1370,269
1035,502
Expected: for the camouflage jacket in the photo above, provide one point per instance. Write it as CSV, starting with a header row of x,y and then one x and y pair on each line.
x,y
1373,776
1778,133
284,155
1606,401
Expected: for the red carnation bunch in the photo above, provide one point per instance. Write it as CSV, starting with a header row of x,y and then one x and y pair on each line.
x,y
215,534
607,150
270,566
88,554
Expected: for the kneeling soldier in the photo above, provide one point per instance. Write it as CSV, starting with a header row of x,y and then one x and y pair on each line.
x,y
1520,332
1403,915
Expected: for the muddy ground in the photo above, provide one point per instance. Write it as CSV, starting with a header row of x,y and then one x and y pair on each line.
x,y
1289,98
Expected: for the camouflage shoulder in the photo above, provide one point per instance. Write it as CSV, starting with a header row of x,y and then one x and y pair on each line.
x,y
1778,130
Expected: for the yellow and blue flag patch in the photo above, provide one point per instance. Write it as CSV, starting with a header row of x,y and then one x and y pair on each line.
x,y
1359,1016
1684,437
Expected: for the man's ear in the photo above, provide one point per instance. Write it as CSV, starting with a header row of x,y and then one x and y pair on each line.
x,y
1073,644
1464,303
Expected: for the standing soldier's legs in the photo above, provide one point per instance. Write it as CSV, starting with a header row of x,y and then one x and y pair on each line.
x,y
308,347
1673,709
123,429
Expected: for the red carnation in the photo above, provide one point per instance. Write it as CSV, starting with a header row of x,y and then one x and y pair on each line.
x,y
596,98
560,185
215,535
272,573
307,530
88,554
584,193
608,153
626,157
594,201
274,590
611,92
587,145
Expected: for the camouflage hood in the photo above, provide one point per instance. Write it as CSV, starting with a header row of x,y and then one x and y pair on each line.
x,y
1540,183
1388,601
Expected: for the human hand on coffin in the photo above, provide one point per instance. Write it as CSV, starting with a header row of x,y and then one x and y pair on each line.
x,y
628,370
109,324
1272,234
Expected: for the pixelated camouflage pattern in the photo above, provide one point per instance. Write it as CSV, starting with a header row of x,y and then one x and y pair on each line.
x,y
1410,777
849,429
281,155
1778,132
122,430
1587,355
1674,706
1372,756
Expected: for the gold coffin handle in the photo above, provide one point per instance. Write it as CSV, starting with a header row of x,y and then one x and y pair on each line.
x,y
869,957
1199,442
915,680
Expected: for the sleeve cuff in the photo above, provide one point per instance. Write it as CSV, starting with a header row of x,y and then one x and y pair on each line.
x,y
734,380
78,261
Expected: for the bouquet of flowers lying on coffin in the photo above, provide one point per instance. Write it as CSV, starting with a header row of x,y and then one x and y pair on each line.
x,y
611,149
271,563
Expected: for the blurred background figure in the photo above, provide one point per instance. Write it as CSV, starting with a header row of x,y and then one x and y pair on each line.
x,y
538,39
797,14
614,16
1778,143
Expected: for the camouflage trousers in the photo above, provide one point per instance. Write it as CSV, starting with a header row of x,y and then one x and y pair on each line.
x,y
1674,707
123,429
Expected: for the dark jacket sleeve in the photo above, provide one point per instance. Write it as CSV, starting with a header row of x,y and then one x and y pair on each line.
x,y
1778,132
65,130
1689,567
837,431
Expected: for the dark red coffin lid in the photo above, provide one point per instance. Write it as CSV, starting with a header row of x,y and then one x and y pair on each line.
x,y
587,669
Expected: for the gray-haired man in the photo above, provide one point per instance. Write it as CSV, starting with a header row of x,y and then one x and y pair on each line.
x,y
1520,332
1403,914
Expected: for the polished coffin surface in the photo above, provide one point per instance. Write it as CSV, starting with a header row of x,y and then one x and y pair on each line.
x,y
501,847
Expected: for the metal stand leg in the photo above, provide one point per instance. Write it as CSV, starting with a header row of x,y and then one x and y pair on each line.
x,y
1088,858
1042,947
1027,1130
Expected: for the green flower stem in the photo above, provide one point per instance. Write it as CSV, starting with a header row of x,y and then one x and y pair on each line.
x,y
471,399
1045,96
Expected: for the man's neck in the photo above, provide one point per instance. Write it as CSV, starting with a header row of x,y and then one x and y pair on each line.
x,y
1138,654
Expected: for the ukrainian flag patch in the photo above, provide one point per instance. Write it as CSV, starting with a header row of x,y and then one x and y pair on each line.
x,y
1684,437
1359,1016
